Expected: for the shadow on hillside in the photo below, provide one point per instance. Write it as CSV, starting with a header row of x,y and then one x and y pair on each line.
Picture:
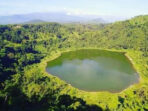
x,y
67,101
20,102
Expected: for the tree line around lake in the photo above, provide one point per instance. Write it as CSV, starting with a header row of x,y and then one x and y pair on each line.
x,y
25,87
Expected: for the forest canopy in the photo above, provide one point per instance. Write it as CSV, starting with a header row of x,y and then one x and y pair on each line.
x,y
25,86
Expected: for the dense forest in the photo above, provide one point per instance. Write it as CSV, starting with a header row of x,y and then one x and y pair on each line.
x,y
25,49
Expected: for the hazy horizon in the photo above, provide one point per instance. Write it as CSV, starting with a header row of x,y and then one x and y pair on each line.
x,y
119,8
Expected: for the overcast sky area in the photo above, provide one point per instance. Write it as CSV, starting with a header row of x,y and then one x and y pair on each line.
x,y
126,8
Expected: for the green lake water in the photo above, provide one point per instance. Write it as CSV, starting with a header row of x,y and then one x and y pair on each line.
x,y
94,70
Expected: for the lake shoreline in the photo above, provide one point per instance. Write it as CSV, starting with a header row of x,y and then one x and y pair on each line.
x,y
58,54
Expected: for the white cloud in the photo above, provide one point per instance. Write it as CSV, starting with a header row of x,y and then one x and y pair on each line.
x,y
78,12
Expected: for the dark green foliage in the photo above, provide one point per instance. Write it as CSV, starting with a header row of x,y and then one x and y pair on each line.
x,y
121,100
25,45
64,102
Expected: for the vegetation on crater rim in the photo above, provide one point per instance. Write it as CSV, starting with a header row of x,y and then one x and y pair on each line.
x,y
25,49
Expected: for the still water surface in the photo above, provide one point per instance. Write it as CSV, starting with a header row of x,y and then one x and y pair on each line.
x,y
94,70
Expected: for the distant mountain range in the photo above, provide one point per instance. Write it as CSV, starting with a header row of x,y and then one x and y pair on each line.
x,y
60,17
37,21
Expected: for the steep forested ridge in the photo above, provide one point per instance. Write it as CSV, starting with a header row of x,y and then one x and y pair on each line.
x,y
24,85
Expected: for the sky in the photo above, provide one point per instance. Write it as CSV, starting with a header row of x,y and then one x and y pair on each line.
x,y
76,7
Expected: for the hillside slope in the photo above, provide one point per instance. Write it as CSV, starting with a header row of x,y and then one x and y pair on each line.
x,y
25,49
